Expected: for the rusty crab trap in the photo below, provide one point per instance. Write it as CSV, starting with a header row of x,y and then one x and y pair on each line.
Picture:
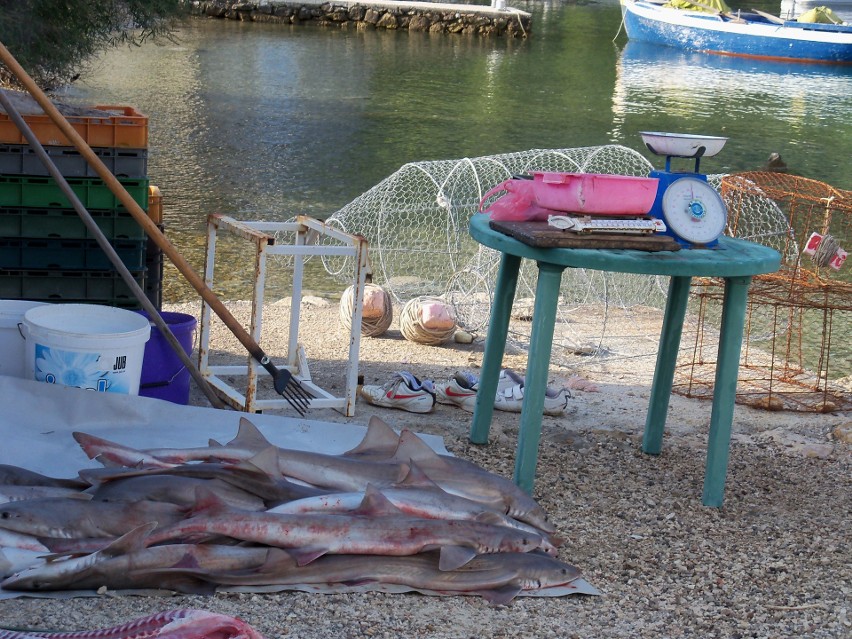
x,y
796,354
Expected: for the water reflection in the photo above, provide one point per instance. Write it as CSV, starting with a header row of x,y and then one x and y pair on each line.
x,y
266,121
763,106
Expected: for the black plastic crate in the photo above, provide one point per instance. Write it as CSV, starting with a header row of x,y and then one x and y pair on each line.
x,y
154,267
41,253
98,287
116,224
21,159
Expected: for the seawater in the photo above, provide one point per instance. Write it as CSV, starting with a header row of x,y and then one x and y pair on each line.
x,y
264,122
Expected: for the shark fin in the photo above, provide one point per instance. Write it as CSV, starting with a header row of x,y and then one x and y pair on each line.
x,y
207,503
416,478
492,518
306,555
500,596
375,504
266,462
131,541
454,557
249,437
413,449
380,440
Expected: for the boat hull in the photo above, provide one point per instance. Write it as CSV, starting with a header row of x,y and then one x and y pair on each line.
x,y
711,33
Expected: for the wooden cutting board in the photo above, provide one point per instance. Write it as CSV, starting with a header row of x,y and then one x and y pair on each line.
x,y
542,235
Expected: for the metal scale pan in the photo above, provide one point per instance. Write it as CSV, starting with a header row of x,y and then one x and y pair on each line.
x,y
694,213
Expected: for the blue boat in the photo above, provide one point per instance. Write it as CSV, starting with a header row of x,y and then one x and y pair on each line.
x,y
751,34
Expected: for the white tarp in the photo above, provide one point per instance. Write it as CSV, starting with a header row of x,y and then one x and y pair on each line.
x,y
36,422
37,419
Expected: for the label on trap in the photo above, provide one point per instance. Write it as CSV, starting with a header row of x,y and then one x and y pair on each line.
x,y
109,371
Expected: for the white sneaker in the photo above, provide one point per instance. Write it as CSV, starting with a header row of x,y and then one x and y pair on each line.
x,y
460,390
507,379
404,391
512,399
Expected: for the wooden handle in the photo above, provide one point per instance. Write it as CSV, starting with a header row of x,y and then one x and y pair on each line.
x,y
130,204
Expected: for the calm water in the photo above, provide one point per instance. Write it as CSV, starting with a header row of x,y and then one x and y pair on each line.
x,y
264,122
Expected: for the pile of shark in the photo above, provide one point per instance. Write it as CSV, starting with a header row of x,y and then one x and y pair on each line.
x,y
247,514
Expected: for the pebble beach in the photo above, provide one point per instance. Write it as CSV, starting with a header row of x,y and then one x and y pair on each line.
x,y
773,561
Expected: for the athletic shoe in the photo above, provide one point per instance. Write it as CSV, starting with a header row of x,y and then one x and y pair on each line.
x,y
512,399
459,391
507,379
404,391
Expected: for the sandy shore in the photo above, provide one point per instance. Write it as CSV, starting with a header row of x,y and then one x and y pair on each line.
x,y
773,562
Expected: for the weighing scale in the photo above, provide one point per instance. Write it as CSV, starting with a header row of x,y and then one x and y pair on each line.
x,y
694,213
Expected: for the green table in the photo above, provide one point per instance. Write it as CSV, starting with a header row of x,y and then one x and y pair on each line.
x,y
736,261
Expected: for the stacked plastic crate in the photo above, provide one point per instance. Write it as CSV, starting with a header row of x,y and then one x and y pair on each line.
x,y
46,252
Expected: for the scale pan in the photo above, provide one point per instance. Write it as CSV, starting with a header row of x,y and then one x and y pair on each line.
x,y
682,145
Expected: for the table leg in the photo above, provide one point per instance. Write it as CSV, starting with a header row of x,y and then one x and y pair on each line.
x,y
725,389
538,366
661,389
495,345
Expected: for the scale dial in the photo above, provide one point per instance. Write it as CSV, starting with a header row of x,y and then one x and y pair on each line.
x,y
694,211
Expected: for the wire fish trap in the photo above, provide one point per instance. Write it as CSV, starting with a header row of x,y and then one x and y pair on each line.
x,y
795,354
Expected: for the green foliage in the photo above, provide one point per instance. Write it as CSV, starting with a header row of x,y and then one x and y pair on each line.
x,y
53,39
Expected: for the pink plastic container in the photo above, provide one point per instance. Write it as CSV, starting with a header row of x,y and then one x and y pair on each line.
x,y
595,193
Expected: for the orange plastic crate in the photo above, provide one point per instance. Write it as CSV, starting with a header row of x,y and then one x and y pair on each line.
x,y
124,127
155,204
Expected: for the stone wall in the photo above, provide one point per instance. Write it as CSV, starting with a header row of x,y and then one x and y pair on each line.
x,y
411,16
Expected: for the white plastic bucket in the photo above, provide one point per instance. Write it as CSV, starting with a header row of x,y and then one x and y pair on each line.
x,y
88,346
11,336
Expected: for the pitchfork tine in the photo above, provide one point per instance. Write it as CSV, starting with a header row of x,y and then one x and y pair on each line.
x,y
299,393
291,390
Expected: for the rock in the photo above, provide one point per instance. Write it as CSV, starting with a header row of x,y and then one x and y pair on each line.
x,y
769,403
843,433
463,337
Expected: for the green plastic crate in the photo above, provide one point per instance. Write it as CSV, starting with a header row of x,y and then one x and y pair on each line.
x,y
36,191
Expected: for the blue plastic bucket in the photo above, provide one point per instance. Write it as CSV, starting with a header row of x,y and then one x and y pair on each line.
x,y
163,374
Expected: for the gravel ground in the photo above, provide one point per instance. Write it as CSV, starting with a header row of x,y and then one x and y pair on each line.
x,y
773,562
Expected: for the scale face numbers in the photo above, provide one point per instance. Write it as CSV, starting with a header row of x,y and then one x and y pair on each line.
x,y
694,211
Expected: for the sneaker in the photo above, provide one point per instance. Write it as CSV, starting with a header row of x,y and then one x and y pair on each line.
x,y
404,391
459,391
507,379
511,400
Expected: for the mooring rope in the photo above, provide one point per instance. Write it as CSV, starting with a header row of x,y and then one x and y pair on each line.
x,y
825,251
370,326
411,323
